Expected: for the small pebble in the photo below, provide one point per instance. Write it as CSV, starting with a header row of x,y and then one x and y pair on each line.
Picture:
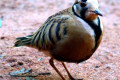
x,y
98,58
40,59
97,66
111,72
108,67
11,60
19,79
115,24
2,38
30,78
1,76
2,56
12,65
20,63
0,23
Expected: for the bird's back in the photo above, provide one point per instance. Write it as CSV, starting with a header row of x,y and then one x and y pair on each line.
x,y
52,31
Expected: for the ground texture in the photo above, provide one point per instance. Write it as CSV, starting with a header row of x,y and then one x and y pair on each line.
x,y
23,17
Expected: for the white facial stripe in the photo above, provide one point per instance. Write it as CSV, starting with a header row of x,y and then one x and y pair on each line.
x,y
79,0
96,22
77,9
93,3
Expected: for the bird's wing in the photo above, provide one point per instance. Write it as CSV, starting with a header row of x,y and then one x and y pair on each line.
x,y
52,31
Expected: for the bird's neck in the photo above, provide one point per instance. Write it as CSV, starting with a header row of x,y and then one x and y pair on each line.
x,y
94,23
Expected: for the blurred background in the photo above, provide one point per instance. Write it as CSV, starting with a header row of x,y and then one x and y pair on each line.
x,y
23,17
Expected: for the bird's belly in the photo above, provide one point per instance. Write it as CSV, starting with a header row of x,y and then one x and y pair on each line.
x,y
74,49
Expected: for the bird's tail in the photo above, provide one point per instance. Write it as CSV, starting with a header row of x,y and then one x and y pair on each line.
x,y
23,41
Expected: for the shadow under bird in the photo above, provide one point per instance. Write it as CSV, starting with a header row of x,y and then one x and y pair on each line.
x,y
71,35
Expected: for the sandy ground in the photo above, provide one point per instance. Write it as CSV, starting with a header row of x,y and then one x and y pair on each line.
x,y
23,17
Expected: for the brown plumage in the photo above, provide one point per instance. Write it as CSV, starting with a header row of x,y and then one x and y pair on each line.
x,y
71,35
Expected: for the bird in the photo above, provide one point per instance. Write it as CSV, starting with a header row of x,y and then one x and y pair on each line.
x,y
71,35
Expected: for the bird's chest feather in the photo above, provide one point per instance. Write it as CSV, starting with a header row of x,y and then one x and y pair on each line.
x,y
77,45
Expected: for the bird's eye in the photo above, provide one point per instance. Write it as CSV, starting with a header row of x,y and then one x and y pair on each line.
x,y
83,4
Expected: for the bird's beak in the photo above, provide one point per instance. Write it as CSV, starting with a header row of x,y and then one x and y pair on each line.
x,y
98,12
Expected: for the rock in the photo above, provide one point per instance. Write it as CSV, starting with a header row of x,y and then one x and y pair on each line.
x,y
22,71
2,56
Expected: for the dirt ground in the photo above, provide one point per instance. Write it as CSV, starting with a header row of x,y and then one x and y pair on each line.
x,y
23,17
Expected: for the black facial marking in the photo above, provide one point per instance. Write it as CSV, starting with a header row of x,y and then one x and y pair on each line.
x,y
83,11
84,0
83,4
97,30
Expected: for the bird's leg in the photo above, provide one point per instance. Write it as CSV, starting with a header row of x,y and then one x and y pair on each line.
x,y
71,78
67,71
52,64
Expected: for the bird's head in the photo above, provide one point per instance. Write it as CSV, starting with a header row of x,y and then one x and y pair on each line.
x,y
87,9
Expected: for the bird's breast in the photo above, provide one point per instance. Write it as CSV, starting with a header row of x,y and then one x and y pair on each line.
x,y
77,45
